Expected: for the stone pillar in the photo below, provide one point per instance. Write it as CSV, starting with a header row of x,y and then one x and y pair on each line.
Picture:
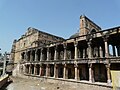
x,y
86,53
48,54
26,69
34,69
91,77
106,47
26,55
55,55
55,71
97,51
36,56
47,70
114,53
65,74
89,50
65,52
31,57
76,50
76,72
83,53
25,65
40,70
108,74
29,69
41,57
101,51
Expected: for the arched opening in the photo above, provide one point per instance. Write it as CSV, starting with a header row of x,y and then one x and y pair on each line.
x,y
93,31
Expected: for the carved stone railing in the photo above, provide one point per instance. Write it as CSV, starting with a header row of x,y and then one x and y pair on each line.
x,y
114,59
79,60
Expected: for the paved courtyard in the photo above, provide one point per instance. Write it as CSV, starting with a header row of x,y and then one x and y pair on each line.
x,y
30,84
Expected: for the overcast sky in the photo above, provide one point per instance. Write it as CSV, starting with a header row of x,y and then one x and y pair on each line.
x,y
58,17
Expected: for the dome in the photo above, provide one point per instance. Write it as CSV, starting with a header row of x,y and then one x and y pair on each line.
x,y
74,35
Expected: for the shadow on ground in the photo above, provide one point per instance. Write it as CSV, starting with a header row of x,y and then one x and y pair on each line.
x,y
4,87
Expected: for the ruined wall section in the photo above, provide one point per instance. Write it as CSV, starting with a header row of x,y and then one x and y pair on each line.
x,y
26,41
31,39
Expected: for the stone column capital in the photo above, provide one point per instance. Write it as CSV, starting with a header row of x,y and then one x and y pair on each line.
x,y
105,38
35,65
30,65
75,43
47,65
107,65
65,65
48,48
89,43
40,65
64,45
90,65
76,65
36,51
56,65
41,49
56,46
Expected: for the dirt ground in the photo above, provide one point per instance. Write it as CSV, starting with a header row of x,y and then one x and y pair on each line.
x,y
30,84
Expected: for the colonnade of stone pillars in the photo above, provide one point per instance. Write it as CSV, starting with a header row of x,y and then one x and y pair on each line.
x,y
65,71
39,67
33,56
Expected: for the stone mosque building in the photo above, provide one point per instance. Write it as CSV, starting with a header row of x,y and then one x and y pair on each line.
x,y
86,56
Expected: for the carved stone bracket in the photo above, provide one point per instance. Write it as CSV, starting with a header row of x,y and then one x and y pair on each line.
x,y
65,65
105,38
90,65
48,65
76,65
64,45
107,65
89,37
76,43
89,43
